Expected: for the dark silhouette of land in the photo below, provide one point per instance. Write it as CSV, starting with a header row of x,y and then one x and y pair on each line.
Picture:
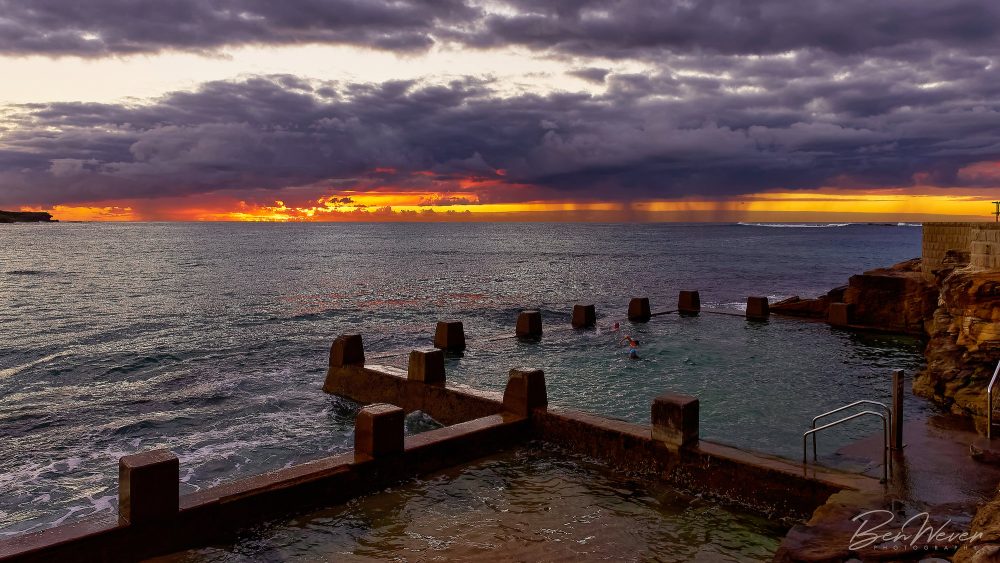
x,y
25,217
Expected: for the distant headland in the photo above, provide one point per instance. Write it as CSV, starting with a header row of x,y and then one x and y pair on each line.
x,y
26,217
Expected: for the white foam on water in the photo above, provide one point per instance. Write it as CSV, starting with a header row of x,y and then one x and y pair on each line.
x,y
796,225
10,372
34,472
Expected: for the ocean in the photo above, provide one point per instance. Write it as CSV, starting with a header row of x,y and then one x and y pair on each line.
x,y
211,339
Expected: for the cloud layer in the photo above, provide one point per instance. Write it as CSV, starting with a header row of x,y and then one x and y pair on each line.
x,y
617,28
103,27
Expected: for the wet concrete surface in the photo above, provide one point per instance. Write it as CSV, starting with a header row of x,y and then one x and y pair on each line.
x,y
935,481
935,468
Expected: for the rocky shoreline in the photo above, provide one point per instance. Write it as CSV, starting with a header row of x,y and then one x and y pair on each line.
x,y
957,310
893,299
26,217
964,337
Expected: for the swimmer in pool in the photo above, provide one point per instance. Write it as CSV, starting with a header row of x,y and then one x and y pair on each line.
x,y
633,347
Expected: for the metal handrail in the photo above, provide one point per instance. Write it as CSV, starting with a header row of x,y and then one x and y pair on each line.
x,y
885,436
989,403
888,412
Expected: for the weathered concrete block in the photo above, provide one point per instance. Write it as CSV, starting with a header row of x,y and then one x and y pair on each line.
x,y
675,420
525,391
689,303
584,316
839,314
148,487
449,335
426,365
529,324
758,309
347,350
378,430
638,310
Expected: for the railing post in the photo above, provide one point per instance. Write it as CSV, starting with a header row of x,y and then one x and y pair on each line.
x,y
584,316
449,335
378,431
638,310
757,309
427,366
525,392
989,403
148,487
529,325
347,350
897,409
689,303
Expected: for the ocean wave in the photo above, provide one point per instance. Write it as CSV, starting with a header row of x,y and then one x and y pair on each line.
x,y
909,224
796,225
10,372
31,273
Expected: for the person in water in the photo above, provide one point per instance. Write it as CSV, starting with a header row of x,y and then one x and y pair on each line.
x,y
633,347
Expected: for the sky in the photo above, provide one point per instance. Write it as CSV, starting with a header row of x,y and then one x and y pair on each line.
x,y
437,110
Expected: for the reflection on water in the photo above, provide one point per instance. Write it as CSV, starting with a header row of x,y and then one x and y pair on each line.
x,y
524,505
211,339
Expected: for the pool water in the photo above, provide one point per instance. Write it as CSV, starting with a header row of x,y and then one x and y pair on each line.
x,y
528,504
758,383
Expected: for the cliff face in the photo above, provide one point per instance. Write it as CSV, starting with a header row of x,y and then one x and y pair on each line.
x,y
964,333
24,217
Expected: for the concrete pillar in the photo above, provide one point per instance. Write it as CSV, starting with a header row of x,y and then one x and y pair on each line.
x,y
378,430
897,409
426,365
689,303
839,314
638,310
148,487
675,420
584,316
347,350
529,324
449,335
757,309
525,391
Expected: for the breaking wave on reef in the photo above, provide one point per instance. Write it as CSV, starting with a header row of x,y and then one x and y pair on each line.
x,y
826,225
796,225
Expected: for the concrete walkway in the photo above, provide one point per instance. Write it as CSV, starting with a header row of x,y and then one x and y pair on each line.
x,y
934,482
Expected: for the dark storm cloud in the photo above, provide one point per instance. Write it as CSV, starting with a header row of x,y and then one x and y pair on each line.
x,y
605,28
621,28
789,122
102,27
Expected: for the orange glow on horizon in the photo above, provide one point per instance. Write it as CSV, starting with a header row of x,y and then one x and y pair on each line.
x,y
831,205
88,213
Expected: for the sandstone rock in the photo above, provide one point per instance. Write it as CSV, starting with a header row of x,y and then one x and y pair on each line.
x,y
809,308
964,344
897,298
987,547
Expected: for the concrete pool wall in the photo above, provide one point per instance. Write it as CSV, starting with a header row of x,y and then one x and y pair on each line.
x,y
154,519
